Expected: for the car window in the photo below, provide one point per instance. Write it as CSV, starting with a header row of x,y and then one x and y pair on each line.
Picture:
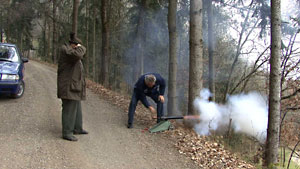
x,y
8,53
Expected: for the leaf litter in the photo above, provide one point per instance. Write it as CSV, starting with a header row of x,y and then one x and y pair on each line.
x,y
200,149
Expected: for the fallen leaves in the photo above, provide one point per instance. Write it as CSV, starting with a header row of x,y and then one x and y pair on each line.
x,y
204,152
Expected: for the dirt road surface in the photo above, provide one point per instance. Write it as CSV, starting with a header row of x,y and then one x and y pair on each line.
x,y
30,133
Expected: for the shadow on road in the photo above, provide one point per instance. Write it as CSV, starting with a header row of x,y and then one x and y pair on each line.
x,y
4,98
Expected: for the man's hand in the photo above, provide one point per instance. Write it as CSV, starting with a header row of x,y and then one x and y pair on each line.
x,y
153,112
161,98
152,109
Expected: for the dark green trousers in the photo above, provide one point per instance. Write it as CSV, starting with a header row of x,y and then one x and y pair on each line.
x,y
71,116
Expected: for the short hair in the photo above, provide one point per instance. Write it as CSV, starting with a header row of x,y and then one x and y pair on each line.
x,y
150,78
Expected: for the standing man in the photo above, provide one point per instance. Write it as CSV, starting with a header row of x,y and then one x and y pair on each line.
x,y
152,85
71,87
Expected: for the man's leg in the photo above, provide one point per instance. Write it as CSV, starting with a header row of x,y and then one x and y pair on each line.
x,y
78,129
132,107
160,106
69,108
160,110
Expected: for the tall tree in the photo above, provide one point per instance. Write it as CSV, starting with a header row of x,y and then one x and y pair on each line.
x,y
94,40
211,74
173,45
8,22
140,40
46,20
104,76
274,86
49,40
87,15
196,54
75,16
241,42
1,27
54,35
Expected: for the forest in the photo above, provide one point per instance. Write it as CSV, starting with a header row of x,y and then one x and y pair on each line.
x,y
229,47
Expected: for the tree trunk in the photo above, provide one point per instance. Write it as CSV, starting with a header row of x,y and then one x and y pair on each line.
x,y
75,16
196,54
240,44
87,15
54,38
46,46
140,41
1,27
104,77
2,40
274,87
211,74
8,21
21,41
49,44
45,38
94,42
173,46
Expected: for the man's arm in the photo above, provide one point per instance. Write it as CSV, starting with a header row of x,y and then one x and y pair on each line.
x,y
140,87
76,53
162,85
144,100
146,103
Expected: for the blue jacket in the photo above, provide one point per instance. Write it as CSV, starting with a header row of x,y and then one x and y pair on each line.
x,y
142,90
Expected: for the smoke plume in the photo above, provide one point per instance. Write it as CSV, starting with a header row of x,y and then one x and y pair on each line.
x,y
249,114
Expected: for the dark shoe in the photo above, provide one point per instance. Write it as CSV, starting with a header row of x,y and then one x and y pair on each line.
x,y
129,125
70,138
80,132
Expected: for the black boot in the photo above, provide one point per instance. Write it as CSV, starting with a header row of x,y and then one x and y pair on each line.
x,y
70,138
129,125
80,132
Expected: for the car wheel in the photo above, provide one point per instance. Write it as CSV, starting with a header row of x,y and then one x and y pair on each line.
x,y
20,91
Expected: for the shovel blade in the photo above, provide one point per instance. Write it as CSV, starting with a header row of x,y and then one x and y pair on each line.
x,y
161,126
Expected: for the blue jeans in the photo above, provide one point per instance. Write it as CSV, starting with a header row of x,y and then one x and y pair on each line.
x,y
134,100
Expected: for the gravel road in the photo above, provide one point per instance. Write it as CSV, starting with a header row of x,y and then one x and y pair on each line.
x,y
30,133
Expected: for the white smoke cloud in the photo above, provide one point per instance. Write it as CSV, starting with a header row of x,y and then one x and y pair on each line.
x,y
249,114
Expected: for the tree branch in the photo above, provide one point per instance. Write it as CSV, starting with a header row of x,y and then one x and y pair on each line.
x,y
291,95
253,70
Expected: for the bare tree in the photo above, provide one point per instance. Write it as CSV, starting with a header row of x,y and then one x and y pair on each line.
x,y
211,74
140,41
274,88
1,27
104,76
196,53
243,38
46,20
75,16
173,45
94,40
292,153
87,15
54,35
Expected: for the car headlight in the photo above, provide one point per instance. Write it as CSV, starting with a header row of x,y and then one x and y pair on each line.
x,y
9,77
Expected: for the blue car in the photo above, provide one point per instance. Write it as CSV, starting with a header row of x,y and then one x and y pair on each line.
x,y
11,70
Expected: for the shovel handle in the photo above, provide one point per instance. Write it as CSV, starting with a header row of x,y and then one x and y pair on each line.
x,y
172,117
